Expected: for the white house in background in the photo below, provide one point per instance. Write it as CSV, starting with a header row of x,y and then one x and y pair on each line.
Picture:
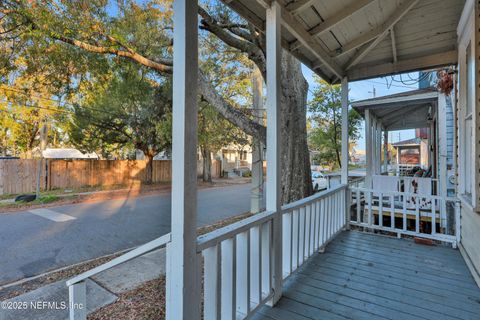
x,y
63,153
235,157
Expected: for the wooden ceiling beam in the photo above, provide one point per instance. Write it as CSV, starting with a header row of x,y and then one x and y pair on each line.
x,y
386,27
335,19
297,6
406,110
394,45
417,63
308,42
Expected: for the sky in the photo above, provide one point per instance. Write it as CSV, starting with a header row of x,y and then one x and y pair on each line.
x,y
361,90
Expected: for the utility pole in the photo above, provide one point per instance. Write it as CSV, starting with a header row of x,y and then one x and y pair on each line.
x,y
43,145
374,92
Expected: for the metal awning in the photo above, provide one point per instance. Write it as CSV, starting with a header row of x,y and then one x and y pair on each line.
x,y
408,110
364,38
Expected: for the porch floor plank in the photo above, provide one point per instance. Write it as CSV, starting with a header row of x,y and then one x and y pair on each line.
x,y
367,276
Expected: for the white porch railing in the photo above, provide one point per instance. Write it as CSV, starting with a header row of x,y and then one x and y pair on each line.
x,y
77,290
427,216
238,258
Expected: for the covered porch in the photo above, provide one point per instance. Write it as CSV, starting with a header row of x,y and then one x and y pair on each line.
x,y
414,200
365,276
299,260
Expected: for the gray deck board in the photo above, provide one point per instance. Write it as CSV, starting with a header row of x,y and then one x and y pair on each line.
x,y
367,276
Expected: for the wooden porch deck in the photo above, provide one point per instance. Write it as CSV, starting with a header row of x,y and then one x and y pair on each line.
x,y
365,276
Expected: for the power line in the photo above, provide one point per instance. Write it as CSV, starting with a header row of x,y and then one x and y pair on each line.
x,y
3,87
391,85
11,89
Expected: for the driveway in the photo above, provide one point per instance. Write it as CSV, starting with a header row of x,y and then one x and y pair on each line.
x,y
33,242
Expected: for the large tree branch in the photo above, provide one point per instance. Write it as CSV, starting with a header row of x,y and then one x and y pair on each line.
x,y
232,114
161,67
254,52
206,89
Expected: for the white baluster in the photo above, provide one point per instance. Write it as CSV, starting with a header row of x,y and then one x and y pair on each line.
x,y
211,288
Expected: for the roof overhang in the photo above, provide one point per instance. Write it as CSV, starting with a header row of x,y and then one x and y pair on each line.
x,y
364,38
408,110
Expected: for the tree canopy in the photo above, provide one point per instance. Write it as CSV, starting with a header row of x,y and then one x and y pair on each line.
x,y
73,42
325,135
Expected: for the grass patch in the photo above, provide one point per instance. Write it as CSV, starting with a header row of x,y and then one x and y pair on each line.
x,y
46,199
7,196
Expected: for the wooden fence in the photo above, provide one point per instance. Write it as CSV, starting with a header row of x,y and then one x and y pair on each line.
x,y
20,176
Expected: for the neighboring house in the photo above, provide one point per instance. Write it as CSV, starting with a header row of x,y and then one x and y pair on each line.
x,y
162,155
63,153
358,157
412,152
235,157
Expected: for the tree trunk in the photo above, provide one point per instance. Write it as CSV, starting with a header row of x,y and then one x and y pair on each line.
x,y
149,167
296,172
207,165
256,194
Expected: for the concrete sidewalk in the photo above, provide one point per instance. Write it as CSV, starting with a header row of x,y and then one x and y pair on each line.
x,y
51,301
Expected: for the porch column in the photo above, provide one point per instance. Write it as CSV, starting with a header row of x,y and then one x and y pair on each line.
x,y
385,150
273,193
345,155
368,147
374,145
183,272
378,146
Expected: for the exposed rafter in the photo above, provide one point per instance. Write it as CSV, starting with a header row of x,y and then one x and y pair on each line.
x,y
407,65
247,14
394,45
335,19
356,43
297,6
290,23
386,27
404,111
294,27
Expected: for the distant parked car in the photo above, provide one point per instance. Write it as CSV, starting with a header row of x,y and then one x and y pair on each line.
x,y
319,181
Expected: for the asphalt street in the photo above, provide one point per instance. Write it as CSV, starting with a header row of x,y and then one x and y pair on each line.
x,y
33,242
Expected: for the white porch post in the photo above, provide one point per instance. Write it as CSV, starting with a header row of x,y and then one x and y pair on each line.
x,y
374,144
368,147
273,192
183,278
345,155
378,146
385,150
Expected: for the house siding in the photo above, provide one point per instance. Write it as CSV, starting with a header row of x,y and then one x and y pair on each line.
x,y
470,240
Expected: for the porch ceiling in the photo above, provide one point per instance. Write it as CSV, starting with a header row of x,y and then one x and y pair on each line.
x,y
409,110
364,38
